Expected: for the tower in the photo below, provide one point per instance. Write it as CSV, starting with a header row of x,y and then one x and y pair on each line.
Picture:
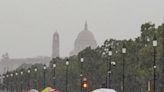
x,y
55,45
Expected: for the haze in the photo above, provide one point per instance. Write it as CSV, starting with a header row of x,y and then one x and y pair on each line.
x,y
27,26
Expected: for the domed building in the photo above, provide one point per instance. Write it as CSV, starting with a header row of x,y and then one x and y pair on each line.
x,y
84,39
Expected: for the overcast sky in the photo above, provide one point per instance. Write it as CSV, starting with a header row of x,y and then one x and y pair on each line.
x,y
27,26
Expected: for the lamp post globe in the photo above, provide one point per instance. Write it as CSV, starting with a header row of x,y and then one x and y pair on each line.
x,y
29,70
21,72
113,63
155,41
44,67
82,60
110,51
35,69
54,65
16,74
124,49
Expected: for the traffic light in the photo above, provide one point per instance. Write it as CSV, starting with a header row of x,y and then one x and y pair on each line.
x,y
85,84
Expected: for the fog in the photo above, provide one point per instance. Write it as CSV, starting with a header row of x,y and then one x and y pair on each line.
x,y
27,26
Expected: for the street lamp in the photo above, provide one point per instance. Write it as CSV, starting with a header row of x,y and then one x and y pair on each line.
x,y
67,64
11,75
154,66
16,84
123,75
105,52
81,75
21,81
3,78
35,80
54,67
44,75
29,71
109,66
7,82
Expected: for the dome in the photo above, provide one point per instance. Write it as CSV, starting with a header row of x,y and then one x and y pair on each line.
x,y
85,39
85,35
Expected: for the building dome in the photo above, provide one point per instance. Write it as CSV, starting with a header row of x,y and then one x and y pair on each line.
x,y
85,35
84,39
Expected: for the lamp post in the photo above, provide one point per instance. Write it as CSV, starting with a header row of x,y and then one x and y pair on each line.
x,y
16,84
29,76
11,75
7,82
81,74
154,65
113,64
3,87
123,63
54,76
44,75
67,64
21,81
109,66
35,80
106,78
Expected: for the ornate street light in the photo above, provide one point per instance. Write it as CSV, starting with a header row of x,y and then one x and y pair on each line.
x,y
44,75
123,74
54,76
29,76
67,64
35,79
109,66
11,75
16,84
81,74
21,81
154,66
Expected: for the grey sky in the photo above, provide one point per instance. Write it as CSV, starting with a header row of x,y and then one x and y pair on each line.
x,y
27,26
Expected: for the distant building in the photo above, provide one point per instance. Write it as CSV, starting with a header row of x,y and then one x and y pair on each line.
x,y
84,39
55,45
12,64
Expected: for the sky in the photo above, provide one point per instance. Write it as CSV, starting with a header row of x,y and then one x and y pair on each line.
x,y
27,26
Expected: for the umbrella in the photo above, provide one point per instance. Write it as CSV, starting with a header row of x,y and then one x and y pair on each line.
x,y
47,89
104,90
33,90
54,90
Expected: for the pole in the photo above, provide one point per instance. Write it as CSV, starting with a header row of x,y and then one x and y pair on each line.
x,y
109,72
123,75
67,78
29,80
44,79
81,75
35,80
154,69
107,83
54,77
21,83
